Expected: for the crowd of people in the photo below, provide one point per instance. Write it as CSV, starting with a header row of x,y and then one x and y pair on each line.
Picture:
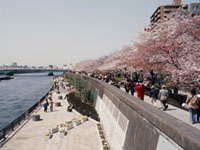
x,y
58,84
138,83
48,102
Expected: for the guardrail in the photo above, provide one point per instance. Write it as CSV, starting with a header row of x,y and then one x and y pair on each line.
x,y
19,120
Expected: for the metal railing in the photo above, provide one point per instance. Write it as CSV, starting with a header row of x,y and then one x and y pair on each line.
x,y
19,120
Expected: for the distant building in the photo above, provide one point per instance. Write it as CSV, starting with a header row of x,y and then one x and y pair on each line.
x,y
64,67
194,9
162,11
14,64
41,67
55,67
33,67
50,67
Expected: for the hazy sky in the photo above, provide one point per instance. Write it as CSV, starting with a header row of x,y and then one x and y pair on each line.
x,y
43,32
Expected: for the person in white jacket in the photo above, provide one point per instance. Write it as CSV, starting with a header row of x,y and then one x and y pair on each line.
x,y
163,97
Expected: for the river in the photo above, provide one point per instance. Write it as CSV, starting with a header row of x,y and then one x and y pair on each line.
x,y
20,93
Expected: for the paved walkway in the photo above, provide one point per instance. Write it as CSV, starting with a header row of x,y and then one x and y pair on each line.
x,y
173,111
32,135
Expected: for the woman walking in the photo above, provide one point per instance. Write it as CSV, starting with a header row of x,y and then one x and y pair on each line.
x,y
191,103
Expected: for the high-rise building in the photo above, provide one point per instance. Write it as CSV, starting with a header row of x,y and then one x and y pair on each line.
x,y
162,11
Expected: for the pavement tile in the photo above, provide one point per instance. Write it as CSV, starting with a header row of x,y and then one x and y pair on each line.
x,y
31,135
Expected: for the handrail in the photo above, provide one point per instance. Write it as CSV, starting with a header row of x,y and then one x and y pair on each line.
x,y
16,122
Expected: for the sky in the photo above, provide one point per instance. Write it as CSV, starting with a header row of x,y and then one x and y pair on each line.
x,y
44,32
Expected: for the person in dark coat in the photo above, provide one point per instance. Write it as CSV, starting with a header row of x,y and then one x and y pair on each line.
x,y
154,96
175,89
45,105
127,86
132,87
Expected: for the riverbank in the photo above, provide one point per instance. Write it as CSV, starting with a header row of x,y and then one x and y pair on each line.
x,y
32,135
21,93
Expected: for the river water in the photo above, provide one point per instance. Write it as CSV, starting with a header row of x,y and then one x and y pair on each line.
x,y
19,94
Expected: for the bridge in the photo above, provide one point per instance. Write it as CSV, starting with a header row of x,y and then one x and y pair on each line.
x,y
29,70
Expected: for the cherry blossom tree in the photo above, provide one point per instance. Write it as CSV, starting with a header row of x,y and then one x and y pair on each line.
x,y
113,61
173,46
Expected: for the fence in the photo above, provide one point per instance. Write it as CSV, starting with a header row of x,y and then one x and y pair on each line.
x,y
19,120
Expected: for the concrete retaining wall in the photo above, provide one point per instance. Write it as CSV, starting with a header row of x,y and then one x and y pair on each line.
x,y
131,124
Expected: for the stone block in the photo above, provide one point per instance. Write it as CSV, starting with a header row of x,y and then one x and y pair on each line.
x,y
36,117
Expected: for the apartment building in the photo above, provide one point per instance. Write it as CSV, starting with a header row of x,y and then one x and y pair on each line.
x,y
162,11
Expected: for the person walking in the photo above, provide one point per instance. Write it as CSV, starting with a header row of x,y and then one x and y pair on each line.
x,y
127,86
139,87
191,103
132,87
45,105
163,97
51,105
154,95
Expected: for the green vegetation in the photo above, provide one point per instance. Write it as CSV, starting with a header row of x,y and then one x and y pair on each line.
x,y
81,96
81,87
118,79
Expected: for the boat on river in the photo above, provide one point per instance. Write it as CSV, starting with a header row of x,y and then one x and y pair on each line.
x,y
5,78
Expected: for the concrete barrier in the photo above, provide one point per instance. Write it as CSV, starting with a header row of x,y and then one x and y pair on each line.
x,y
131,124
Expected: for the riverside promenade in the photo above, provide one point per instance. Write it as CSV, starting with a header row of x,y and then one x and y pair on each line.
x,y
176,112
31,136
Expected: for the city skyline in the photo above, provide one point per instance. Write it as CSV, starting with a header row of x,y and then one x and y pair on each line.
x,y
39,33
16,65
